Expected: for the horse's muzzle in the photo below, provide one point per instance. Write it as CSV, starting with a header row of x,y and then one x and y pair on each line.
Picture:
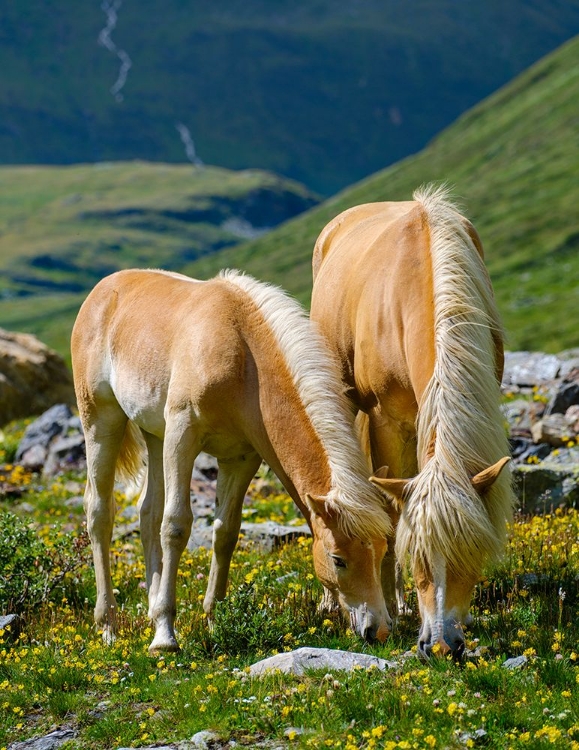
x,y
450,644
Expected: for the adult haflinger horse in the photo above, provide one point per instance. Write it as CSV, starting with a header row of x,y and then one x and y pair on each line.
x,y
402,295
233,367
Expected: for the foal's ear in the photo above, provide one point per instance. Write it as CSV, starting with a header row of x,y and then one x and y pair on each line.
x,y
486,478
394,488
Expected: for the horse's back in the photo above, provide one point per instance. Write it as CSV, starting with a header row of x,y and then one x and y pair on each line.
x,y
373,296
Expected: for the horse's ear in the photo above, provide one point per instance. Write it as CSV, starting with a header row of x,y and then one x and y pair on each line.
x,y
394,488
485,478
317,506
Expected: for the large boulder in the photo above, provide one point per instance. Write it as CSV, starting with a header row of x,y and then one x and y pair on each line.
x,y
299,661
32,377
554,482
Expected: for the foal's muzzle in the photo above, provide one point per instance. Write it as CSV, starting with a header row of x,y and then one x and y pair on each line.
x,y
370,626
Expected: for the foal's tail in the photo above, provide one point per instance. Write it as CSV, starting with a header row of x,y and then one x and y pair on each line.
x,y
131,465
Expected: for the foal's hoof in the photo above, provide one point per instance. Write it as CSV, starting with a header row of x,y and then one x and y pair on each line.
x,y
159,646
109,636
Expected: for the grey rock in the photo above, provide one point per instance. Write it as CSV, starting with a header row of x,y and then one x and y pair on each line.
x,y
553,429
527,369
541,487
569,362
9,621
517,662
566,457
43,430
200,537
266,536
523,449
64,452
521,414
206,465
478,737
33,458
204,740
48,742
299,661
269,535
566,395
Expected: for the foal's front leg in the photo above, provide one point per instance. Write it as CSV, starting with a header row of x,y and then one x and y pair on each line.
x,y
151,505
233,480
179,451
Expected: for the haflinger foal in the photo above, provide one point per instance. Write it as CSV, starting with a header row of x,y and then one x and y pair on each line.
x,y
402,296
233,367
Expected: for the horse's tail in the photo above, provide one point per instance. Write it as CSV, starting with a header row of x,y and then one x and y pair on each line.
x,y
131,467
460,429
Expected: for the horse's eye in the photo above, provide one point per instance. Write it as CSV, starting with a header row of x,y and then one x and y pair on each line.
x,y
338,562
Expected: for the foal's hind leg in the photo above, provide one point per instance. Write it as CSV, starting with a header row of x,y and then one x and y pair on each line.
x,y
151,504
232,482
103,435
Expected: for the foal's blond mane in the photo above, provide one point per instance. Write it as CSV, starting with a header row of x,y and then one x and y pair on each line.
x,y
316,375
459,413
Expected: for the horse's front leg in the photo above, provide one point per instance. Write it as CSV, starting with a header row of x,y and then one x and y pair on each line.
x,y
179,451
232,482
151,504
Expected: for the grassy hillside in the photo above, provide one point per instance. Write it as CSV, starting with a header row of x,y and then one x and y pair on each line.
x,y
324,92
64,228
513,160
514,163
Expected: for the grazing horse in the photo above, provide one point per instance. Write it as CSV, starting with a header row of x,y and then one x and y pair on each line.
x,y
402,296
233,367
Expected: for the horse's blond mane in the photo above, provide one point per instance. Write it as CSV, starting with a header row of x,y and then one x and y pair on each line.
x,y
459,412
316,375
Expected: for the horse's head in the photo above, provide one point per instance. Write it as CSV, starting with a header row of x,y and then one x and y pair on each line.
x,y
349,568
444,592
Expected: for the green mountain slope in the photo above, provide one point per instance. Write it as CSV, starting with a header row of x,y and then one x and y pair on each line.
x,y
64,228
514,163
324,92
513,160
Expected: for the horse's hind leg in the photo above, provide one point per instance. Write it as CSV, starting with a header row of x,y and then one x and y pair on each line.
x,y
104,429
393,444
151,504
232,482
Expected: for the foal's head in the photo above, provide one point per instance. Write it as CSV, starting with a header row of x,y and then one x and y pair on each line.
x,y
349,567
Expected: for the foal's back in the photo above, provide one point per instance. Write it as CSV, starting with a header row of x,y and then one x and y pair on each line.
x,y
148,339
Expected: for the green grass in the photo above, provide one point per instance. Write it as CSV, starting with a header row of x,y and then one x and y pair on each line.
x,y
58,672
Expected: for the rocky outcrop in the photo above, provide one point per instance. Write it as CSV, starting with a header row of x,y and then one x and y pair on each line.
x,y
52,443
542,412
32,377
